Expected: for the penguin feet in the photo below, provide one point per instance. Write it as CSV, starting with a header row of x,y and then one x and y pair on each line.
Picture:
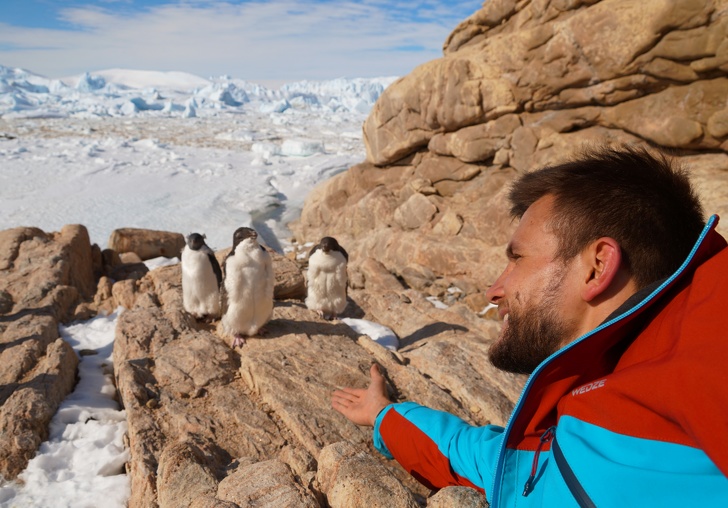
x,y
238,341
323,315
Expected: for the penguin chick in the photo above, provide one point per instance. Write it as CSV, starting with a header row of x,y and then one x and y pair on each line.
x,y
327,278
201,278
248,284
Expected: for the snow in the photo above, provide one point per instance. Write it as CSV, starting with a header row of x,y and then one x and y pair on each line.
x,y
172,151
167,151
82,463
375,331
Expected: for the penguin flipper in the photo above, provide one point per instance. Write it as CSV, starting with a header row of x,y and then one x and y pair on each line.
x,y
216,268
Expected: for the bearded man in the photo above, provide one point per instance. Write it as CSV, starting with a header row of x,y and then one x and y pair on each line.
x,y
613,300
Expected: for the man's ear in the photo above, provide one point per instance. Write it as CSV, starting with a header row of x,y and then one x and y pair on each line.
x,y
602,260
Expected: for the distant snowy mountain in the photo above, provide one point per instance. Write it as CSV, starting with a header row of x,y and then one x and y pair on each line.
x,y
130,78
122,92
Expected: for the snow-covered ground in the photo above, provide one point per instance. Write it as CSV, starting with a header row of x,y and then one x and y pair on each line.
x,y
172,151
167,151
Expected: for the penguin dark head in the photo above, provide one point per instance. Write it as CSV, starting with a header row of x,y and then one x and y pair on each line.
x,y
243,234
195,241
328,243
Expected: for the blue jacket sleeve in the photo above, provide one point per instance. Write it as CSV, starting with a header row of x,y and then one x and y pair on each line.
x,y
438,448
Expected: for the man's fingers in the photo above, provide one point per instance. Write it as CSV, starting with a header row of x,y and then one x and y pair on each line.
x,y
344,397
378,382
374,371
355,392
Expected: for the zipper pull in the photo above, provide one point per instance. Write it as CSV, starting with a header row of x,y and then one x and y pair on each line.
x,y
545,438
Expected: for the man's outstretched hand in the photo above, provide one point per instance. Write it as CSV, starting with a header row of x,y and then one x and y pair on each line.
x,y
359,405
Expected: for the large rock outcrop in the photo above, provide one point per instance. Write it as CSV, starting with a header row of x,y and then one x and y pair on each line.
x,y
522,85
209,425
215,426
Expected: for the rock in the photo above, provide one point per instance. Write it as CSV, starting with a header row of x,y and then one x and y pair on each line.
x,y
147,243
183,477
375,275
6,302
198,409
35,396
128,271
129,258
415,212
462,497
47,279
289,280
351,478
267,483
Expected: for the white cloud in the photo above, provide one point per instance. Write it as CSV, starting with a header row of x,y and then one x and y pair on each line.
x,y
283,39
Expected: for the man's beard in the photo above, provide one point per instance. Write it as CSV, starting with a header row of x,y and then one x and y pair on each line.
x,y
532,335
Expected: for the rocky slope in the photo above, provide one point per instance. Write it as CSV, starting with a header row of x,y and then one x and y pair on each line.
x,y
209,425
521,84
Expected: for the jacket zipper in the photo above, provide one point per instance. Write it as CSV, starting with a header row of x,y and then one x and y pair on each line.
x,y
546,437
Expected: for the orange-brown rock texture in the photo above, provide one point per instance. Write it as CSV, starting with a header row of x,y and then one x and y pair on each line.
x,y
523,84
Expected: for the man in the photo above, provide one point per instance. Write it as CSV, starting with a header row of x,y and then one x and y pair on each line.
x,y
614,300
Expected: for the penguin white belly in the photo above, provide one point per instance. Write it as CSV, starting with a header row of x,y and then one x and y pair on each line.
x,y
200,292
249,287
327,283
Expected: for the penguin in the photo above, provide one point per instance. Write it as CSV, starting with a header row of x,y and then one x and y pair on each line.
x,y
327,278
201,278
248,286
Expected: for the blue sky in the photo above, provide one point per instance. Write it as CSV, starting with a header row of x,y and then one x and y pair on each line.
x,y
261,40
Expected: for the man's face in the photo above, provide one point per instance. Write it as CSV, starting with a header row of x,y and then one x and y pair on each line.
x,y
536,294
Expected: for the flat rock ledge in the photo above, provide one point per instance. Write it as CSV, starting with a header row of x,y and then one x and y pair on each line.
x,y
216,427
212,426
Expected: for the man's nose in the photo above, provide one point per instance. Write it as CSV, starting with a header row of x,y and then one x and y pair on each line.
x,y
495,291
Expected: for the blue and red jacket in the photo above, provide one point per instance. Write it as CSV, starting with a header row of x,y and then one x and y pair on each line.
x,y
633,413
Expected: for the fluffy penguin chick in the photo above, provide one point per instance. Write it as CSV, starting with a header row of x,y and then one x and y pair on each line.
x,y
201,278
327,278
248,285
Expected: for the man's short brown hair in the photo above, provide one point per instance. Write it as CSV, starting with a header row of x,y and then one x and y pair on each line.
x,y
640,198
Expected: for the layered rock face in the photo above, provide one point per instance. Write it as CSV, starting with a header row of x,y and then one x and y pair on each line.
x,y
523,84
44,279
209,425
253,426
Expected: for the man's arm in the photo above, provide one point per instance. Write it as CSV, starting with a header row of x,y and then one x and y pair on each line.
x,y
437,448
